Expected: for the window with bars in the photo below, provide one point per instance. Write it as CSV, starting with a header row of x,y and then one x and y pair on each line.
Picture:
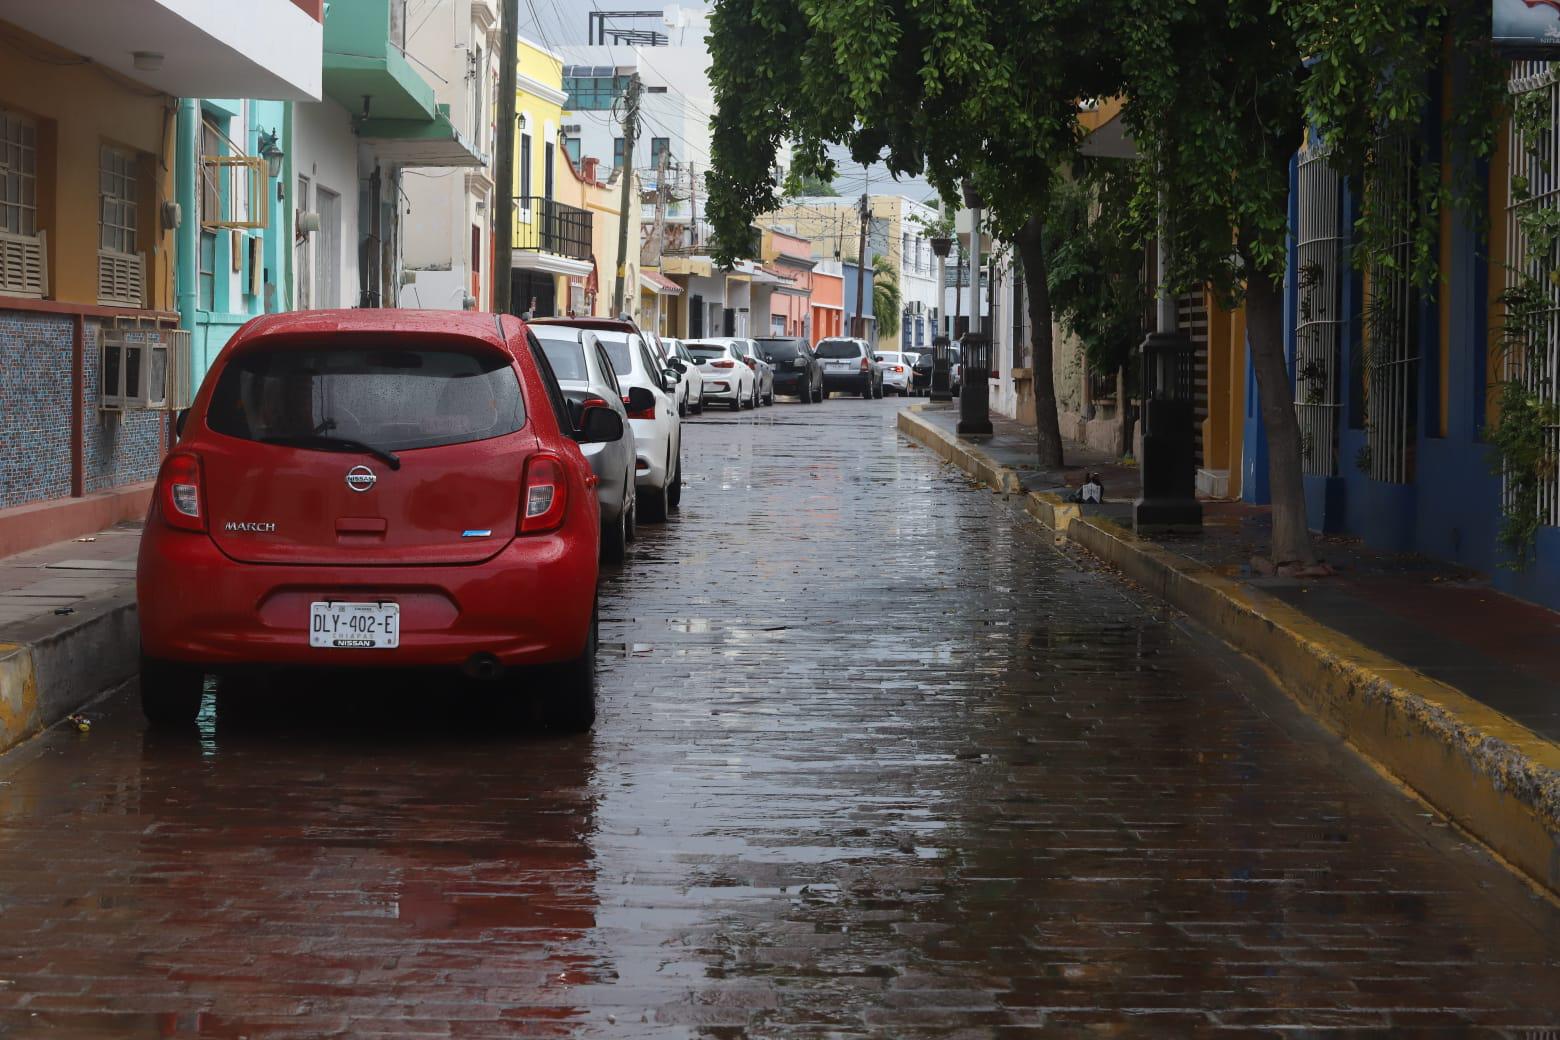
x,y
1318,311
117,192
23,258
1391,325
18,174
1534,359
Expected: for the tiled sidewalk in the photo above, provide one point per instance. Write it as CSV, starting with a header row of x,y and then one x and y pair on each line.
x,y
1439,619
60,576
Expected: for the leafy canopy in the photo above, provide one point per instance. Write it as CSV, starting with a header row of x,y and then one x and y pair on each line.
x,y
980,88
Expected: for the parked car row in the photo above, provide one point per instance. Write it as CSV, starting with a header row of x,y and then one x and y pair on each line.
x,y
392,489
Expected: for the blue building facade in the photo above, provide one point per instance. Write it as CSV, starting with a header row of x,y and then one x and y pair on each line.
x,y
1394,384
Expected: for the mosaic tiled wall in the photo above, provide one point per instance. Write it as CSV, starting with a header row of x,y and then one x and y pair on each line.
x,y
35,365
35,416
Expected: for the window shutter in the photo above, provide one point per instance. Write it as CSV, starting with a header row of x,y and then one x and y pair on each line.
x,y
24,265
120,279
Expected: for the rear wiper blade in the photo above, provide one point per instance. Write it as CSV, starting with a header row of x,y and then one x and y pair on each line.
x,y
314,440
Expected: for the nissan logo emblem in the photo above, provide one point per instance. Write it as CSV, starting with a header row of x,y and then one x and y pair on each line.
x,y
361,478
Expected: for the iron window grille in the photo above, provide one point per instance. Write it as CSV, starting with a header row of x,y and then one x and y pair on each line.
x,y
1536,361
548,226
1318,311
1391,315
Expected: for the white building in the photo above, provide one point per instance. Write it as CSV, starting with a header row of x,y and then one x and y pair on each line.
x,y
447,227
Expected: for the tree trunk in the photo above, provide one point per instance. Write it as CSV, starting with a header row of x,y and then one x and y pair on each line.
x,y
1123,413
1048,428
1265,328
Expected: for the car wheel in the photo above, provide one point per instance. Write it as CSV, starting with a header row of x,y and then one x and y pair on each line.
x,y
682,409
569,690
877,392
170,692
866,391
631,525
614,539
655,506
752,401
674,491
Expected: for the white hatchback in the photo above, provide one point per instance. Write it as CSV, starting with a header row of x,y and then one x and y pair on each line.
x,y
652,412
727,378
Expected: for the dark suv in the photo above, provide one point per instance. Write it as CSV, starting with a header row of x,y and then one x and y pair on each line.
x,y
797,369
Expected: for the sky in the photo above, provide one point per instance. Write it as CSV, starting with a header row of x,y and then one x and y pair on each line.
x,y
555,22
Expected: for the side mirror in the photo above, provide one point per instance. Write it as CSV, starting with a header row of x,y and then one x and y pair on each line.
x,y
600,426
179,419
670,377
678,364
639,399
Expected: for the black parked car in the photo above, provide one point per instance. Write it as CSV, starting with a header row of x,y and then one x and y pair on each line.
x,y
921,372
797,369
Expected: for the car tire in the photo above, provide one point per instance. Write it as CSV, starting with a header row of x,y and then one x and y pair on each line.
x,y
569,689
170,692
866,391
631,526
656,506
674,489
614,540
752,401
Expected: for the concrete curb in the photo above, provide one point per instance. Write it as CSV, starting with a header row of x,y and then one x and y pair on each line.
x,y
1492,776
55,665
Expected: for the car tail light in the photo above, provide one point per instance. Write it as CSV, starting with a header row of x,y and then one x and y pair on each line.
x,y
179,492
899,368
546,495
648,413
866,366
723,364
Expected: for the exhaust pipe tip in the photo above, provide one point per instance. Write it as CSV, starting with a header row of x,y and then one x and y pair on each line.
x,y
483,666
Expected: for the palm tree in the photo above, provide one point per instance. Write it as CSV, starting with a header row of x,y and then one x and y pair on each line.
x,y
885,296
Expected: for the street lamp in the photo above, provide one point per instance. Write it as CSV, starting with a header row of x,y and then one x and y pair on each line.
x,y
975,389
271,153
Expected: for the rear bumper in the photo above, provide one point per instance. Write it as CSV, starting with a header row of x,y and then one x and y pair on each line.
x,y
790,382
530,604
855,382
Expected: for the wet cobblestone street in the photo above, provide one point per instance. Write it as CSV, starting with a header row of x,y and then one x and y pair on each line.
x,y
874,759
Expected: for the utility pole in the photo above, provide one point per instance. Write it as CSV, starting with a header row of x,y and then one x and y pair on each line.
x,y
662,191
504,212
858,325
630,134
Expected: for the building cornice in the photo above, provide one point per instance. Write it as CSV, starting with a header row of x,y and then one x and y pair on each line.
x,y
545,91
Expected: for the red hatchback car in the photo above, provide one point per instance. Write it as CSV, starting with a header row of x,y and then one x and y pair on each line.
x,y
370,489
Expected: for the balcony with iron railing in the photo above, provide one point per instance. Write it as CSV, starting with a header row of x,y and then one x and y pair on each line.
x,y
548,226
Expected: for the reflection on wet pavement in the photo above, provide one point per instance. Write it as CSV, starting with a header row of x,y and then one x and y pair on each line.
x,y
874,760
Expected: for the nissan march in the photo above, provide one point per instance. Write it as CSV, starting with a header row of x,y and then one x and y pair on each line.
x,y
375,489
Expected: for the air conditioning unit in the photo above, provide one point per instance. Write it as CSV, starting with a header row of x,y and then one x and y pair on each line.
x,y
144,365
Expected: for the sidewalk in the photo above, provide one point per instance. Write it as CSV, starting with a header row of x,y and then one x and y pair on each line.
x,y
67,628
1449,684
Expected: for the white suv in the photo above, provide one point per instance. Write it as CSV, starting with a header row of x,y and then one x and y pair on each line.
x,y
650,396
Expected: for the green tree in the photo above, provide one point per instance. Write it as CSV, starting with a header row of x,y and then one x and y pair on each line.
x,y
886,303
1096,263
953,89
1218,97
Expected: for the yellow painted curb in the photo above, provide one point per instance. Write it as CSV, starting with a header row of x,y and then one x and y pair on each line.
x,y
1494,777
18,695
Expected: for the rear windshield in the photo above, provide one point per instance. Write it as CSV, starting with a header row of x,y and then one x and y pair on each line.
x,y
704,352
782,349
567,358
395,399
893,359
617,348
839,348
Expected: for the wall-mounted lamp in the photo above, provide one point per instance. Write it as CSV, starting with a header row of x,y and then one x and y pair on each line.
x,y
520,120
272,154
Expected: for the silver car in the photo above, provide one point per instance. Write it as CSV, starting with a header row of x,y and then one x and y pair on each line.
x,y
588,380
